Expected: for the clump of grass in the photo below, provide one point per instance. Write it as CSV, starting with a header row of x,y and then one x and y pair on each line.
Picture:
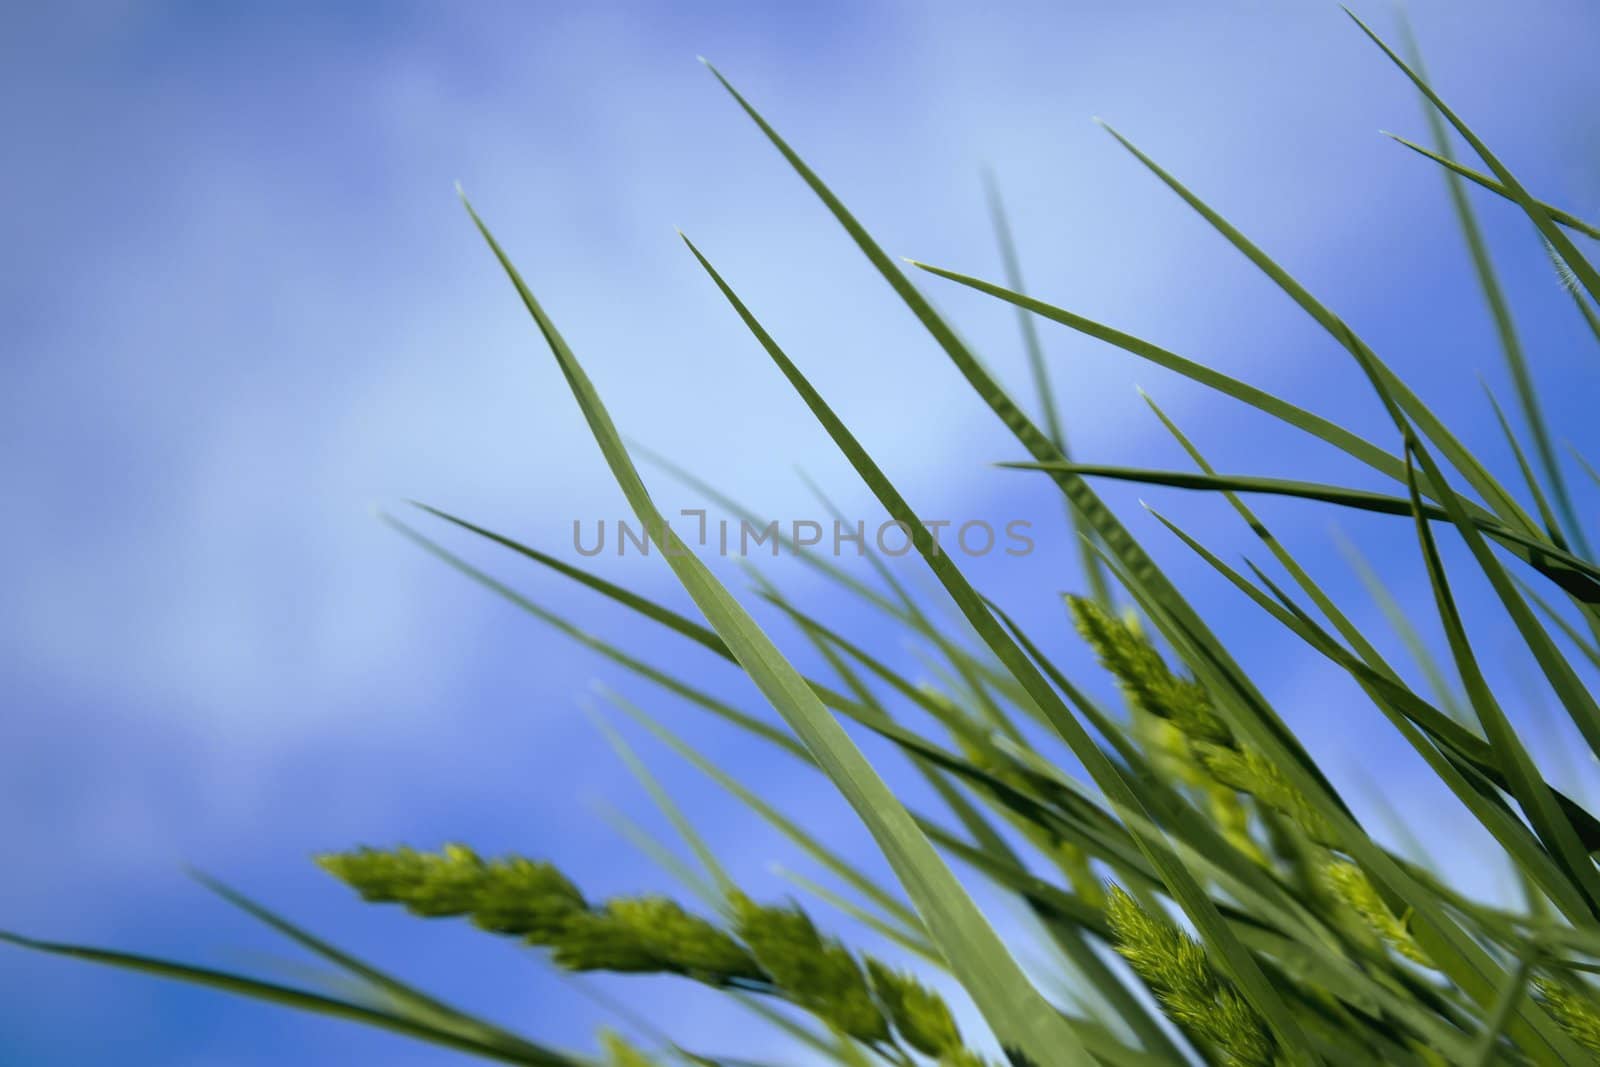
x,y
1257,920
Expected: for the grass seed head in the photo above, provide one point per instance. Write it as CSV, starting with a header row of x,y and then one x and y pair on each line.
x,y
1350,884
1194,995
920,1015
817,972
1575,1012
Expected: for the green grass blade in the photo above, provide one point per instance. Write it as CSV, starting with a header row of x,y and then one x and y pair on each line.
x,y
663,800
1326,430
1546,515
416,1003
1577,576
719,708
1348,630
302,1000
1559,217
1012,265
1444,692
1574,695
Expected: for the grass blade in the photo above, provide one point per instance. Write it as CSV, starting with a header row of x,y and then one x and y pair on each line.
x,y
1559,217
1092,568
1576,576
299,999
663,800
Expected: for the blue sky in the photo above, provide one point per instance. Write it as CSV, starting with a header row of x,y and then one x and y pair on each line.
x,y
241,309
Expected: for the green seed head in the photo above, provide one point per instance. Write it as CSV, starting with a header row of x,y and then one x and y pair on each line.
x,y
818,973
919,1014
526,899
598,941
1575,1012
1250,772
1350,884
1143,675
1194,995
681,941
620,1053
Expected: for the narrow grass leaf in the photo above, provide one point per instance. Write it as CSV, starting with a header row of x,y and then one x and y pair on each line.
x,y
1012,265
286,996
1559,217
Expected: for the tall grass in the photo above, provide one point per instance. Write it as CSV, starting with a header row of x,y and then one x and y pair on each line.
x,y
1217,897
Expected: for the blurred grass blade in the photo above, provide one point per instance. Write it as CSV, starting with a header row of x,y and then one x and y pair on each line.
x,y
1487,1050
672,684
1590,651
663,800
817,561
1551,525
1443,691
669,861
888,931
1092,569
694,631
299,999
416,1003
